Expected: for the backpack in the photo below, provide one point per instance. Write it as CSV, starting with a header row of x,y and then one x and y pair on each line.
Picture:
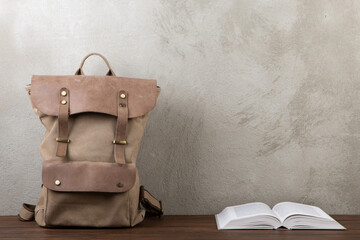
x,y
94,126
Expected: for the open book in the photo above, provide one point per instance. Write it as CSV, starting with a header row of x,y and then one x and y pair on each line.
x,y
285,214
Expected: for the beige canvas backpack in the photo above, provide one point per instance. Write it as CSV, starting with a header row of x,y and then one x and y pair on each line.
x,y
94,126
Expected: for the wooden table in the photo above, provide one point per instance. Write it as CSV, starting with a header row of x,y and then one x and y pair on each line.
x,y
172,228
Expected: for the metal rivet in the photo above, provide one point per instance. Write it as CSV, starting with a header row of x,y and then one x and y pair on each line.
x,y
122,105
120,184
122,95
57,182
63,93
63,102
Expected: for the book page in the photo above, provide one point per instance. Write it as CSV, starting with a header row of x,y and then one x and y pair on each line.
x,y
252,209
286,209
224,217
247,216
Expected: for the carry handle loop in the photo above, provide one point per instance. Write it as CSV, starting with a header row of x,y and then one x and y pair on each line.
x,y
80,71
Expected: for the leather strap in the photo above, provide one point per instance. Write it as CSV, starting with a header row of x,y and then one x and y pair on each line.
x,y
81,72
150,203
63,121
27,212
121,124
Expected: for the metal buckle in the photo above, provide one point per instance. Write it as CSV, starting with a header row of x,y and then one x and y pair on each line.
x,y
119,142
63,140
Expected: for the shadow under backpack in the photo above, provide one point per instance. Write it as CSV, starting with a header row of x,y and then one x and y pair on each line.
x,y
94,125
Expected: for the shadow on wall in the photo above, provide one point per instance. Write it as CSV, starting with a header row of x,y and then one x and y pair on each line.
x,y
168,160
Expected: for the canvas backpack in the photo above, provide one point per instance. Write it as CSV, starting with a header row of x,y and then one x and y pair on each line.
x,y
94,126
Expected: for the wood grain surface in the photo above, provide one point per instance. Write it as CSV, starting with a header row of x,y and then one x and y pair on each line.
x,y
173,227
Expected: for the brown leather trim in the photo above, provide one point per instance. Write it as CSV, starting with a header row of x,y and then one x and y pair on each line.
x,y
84,176
93,94
64,105
150,203
121,124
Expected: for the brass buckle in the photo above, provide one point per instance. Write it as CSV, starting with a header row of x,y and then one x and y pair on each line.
x,y
119,142
63,140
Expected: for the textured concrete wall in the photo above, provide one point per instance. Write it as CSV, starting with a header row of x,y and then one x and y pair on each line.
x,y
260,99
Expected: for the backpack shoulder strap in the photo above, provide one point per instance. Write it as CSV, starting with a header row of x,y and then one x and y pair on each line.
x,y
26,212
150,203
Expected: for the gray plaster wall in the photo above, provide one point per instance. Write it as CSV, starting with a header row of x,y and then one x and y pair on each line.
x,y
260,99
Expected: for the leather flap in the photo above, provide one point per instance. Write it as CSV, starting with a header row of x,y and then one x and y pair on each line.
x,y
93,94
84,176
